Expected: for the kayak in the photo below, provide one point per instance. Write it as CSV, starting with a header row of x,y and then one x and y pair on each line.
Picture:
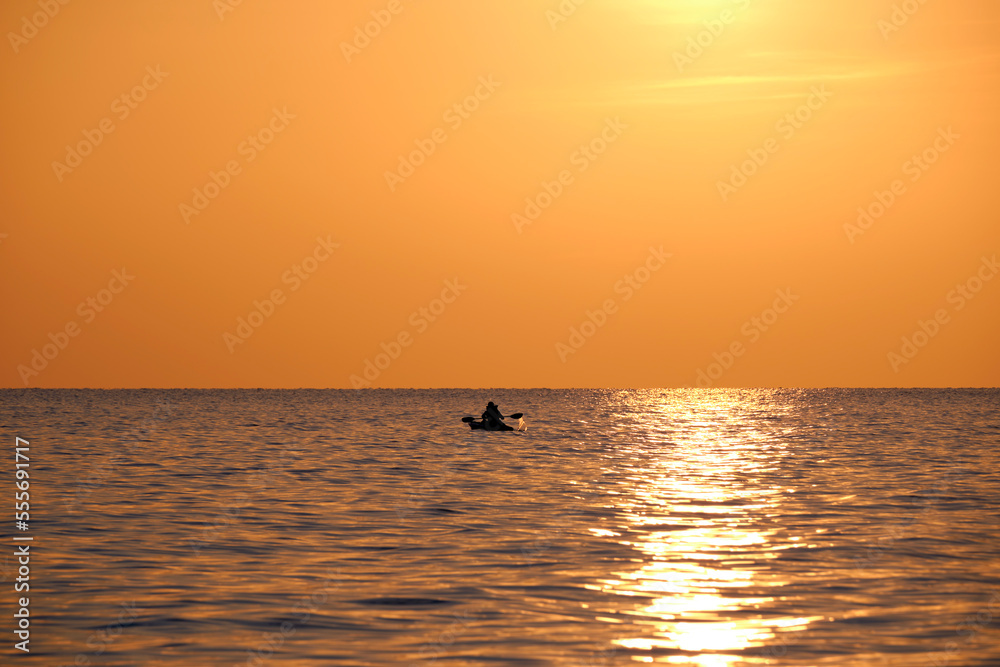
x,y
484,426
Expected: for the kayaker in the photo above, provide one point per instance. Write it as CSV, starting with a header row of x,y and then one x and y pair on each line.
x,y
492,415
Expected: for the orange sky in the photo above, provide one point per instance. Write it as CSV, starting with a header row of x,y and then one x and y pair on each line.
x,y
614,118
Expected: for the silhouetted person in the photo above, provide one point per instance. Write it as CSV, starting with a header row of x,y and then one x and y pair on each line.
x,y
492,416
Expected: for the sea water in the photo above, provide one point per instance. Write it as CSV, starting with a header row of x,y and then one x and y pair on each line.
x,y
685,527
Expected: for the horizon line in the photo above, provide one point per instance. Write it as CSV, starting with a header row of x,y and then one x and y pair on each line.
x,y
467,388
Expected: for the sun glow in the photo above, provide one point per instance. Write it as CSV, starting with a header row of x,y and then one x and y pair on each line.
x,y
693,513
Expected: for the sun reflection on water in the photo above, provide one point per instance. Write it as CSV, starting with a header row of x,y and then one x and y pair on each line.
x,y
696,513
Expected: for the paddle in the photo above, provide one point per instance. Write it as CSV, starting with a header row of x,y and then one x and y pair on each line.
x,y
516,415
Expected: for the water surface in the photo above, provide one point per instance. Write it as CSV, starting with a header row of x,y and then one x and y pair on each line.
x,y
686,527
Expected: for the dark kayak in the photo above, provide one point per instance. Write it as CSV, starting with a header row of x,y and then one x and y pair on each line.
x,y
484,426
